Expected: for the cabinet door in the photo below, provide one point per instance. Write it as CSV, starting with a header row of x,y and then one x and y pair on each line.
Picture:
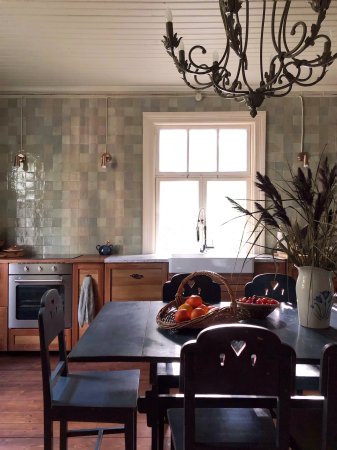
x,y
271,267
3,306
80,271
4,284
135,281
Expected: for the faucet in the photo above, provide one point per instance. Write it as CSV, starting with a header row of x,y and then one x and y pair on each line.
x,y
201,224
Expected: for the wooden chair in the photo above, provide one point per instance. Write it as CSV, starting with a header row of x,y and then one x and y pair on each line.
x,y
283,288
314,427
231,376
275,285
101,397
166,375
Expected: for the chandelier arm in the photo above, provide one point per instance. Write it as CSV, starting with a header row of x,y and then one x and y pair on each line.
x,y
245,45
282,37
310,41
199,85
243,66
298,48
301,82
279,92
261,40
192,64
274,77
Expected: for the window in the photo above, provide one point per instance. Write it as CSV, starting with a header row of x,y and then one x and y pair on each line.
x,y
191,163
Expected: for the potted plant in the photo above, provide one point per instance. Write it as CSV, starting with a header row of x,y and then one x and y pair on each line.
x,y
303,209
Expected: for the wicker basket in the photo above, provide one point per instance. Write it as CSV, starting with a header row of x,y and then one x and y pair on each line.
x,y
226,314
257,311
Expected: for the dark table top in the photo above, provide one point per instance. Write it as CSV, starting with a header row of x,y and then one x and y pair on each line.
x,y
127,331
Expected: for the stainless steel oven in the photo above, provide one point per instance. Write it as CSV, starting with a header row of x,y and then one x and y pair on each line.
x,y
27,284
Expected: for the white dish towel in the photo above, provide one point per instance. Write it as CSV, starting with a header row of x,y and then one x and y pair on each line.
x,y
86,303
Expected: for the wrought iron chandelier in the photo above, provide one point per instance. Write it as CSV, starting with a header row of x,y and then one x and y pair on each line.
x,y
295,62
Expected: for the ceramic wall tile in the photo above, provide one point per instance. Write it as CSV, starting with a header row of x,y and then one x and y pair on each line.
x,y
64,202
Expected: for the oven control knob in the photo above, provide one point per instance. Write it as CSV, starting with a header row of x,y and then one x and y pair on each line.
x,y
26,269
39,269
53,268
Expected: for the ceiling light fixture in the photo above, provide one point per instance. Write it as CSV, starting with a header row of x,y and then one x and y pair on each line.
x,y
20,157
106,157
286,55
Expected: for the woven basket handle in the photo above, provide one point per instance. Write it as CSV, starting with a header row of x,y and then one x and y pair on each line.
x,y
214,277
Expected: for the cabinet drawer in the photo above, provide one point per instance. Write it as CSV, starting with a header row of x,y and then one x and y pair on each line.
x,y
23,339
135,282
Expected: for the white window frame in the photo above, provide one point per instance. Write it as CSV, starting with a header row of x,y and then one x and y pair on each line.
x,y
152,122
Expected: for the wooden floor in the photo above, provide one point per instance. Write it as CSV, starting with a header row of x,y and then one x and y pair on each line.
x,y
21,422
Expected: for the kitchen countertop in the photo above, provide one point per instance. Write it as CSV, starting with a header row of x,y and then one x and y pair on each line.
x,y
73,259
53,258
95,258
136,258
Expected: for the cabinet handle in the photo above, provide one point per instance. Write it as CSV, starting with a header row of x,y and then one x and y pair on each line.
x,y
136,276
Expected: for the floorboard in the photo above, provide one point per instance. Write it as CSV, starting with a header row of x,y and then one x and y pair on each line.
x,y
21,424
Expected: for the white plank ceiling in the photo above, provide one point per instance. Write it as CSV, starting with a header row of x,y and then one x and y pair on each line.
x,y
115,46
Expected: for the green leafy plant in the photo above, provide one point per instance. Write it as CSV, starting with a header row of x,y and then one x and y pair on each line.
x,y
303,209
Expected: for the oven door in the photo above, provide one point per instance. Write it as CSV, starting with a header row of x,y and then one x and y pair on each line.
x,y
24,298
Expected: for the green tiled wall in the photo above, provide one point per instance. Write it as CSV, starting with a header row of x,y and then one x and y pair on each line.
x,y
63,202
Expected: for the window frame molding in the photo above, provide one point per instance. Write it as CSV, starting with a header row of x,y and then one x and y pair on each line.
x,y
152,121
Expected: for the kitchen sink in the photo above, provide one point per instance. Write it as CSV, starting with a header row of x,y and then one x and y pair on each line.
x,y
192,262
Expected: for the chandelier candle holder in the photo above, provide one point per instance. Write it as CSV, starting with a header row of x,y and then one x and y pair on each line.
x,y
288,54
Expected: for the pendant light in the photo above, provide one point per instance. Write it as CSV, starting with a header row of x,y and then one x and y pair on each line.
x,y
106,157
20,157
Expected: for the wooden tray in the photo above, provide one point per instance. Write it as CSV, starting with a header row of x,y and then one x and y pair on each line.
x,y
226,314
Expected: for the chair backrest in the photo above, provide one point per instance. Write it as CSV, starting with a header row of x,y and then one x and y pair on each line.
x,y
238,360
51,326
200,284
275,285
328,388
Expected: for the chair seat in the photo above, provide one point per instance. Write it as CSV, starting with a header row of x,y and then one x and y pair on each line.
x,y
232,426
99,390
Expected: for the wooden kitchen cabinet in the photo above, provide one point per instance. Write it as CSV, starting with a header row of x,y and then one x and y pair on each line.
x,y
3,306
271,266
135,281
27,339
80,271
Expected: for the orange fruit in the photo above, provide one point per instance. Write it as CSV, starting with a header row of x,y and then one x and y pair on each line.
x,y
181,315
197,312
187,307
211,308
194,300
204,307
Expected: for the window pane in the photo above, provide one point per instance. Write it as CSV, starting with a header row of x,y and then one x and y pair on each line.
x,y
232,150
224,234
203,150
172,150
177,216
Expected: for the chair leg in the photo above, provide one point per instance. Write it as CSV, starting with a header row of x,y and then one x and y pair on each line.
x,y
131,432
63,435
48,434
161,433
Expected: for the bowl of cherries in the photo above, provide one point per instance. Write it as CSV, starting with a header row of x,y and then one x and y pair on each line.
x,y
258,307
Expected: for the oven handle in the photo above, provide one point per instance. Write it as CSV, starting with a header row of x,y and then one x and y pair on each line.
x,y
36,281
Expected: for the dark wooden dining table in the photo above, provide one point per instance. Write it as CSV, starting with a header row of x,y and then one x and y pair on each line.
x,y
127,331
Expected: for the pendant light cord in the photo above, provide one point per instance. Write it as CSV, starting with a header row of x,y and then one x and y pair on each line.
x,y
106,125
21,144
302,125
